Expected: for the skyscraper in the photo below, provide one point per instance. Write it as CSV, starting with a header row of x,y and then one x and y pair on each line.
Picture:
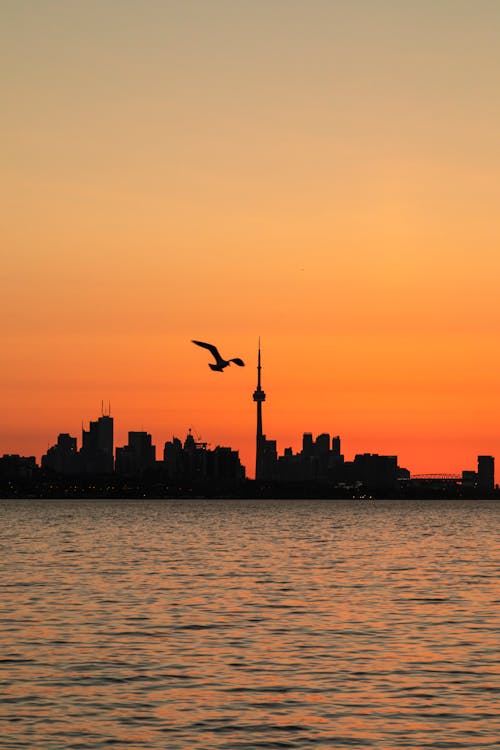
x,y
97,447
63,457
135,458
486,473
259,397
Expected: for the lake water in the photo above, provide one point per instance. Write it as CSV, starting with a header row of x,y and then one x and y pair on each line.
x,y
249,624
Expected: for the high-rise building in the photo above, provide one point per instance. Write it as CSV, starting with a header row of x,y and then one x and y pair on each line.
x,y
173,458
225,465
259,397
63,457
137,457
486,473
374,471
317,462
307,444
193,462
322,444
97,447
15,467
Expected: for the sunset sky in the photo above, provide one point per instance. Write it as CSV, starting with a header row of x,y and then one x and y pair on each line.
x,y
322,174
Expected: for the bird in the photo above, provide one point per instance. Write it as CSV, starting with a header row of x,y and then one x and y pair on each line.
x,y
220,363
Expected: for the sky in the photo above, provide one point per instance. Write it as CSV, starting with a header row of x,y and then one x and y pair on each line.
x,y
321,174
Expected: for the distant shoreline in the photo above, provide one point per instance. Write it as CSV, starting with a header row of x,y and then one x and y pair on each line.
x,y
108,488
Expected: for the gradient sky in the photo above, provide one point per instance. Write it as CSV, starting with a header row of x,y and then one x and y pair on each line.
x,y
323,174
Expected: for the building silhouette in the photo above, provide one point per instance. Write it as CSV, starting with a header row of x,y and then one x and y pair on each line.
x,y
97,447
137,457
320,460
486,473
63,457
194,463
17,468
173,459
94,457
484,478
375,472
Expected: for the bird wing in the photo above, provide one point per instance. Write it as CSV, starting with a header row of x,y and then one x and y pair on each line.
x,y
211,348
237,361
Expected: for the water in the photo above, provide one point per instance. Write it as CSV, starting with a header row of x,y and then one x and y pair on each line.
x,y
249,624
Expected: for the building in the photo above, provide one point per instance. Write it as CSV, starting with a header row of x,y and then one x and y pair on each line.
x,y
96,452
469,480
17,468
486,473
173,459
482,480
137,457
63,457
225,465
319,461
194,459
375,472
194,463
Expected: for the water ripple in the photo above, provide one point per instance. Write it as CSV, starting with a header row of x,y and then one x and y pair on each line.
x,y
238,625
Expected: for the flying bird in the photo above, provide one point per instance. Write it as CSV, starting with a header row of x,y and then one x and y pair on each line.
x,y
220,363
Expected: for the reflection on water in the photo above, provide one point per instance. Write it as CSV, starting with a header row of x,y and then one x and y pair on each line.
x,y
237,624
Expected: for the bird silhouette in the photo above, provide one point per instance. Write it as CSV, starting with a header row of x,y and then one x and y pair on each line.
x,y
220,363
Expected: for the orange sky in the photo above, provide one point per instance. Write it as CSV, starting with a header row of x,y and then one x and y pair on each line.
x,y
325,177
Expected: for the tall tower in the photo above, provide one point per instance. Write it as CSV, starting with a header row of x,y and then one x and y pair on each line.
x,y
259,397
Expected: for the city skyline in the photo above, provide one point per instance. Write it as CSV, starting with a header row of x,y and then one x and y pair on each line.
x,y
324,175
285,442
319,460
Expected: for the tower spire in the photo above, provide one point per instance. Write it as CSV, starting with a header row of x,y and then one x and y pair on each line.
x,y
259,397
258,367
